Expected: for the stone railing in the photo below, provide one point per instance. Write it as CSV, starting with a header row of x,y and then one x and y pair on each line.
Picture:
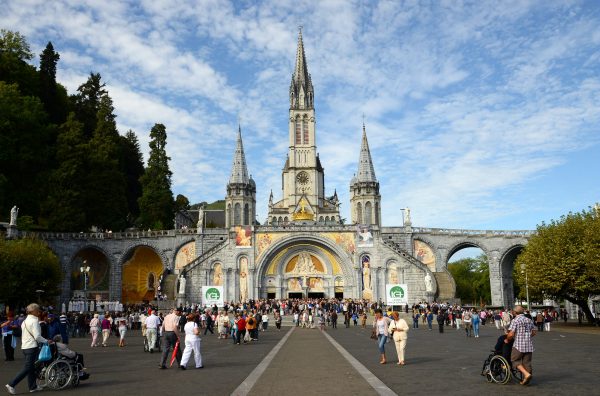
x,y
200,259
307,227
461,232
115,235
403,252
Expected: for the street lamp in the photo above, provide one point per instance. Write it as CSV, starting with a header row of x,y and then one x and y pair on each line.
x,y
524,271
85,270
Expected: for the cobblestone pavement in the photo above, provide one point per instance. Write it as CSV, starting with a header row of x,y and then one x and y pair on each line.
x,y
307,363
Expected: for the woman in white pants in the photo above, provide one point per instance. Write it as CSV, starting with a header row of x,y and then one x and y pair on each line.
x,y
399,331
192,343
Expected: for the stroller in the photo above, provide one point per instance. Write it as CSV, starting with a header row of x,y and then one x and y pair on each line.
x,y
497,367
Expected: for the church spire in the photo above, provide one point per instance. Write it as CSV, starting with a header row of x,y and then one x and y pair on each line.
x,y
366,171
239,171
301,88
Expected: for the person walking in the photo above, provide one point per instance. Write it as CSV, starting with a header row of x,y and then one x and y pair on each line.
x,y
170,328
30,337
122,330
429,320
105,325
192,343
380,328
278,321
521,330
399,330
152,323
475,320
95,329
9,331
241,329
441,320
467,321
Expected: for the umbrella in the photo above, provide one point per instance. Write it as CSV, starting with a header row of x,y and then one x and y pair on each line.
x,y
174,355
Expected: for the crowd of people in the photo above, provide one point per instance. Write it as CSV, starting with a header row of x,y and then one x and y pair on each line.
x,y
242,322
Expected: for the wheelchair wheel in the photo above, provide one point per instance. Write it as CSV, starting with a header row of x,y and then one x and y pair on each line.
x,y
499,370
59,375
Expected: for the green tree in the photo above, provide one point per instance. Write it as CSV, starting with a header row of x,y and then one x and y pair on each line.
x,y
87,103
14,55
472,278
182,203
65,205
106,199
132,166
52,94
562,260
27,265
15,44
157,207
25,150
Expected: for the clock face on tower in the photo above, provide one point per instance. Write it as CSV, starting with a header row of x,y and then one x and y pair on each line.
x,y
302,178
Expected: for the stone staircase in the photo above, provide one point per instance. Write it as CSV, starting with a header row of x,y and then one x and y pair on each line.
x,y
446,286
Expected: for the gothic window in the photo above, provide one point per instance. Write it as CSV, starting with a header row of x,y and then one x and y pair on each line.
x,y
237,214
280,219
228,215
305,130
368,213
274,221
377,220
359,213
298,126
285,219
246,215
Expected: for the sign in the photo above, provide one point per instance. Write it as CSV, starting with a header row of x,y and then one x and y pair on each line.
x,y
396,294
212,295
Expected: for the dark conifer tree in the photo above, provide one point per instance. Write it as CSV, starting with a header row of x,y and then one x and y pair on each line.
x,y
87,101
132,166
156,203
65,206
50,94
106,200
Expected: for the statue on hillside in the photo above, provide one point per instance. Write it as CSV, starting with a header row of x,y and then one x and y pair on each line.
x,y
14,212
428,283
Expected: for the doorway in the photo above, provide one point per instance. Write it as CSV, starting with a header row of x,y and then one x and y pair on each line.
x,y
295,295
316,295
271,296
339,295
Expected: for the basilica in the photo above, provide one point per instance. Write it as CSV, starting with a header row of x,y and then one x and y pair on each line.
x,y
304,250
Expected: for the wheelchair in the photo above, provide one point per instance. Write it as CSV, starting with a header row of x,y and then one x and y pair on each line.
x,y
497,369
60,372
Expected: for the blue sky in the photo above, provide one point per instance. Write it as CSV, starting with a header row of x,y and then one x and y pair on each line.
x,y
481,115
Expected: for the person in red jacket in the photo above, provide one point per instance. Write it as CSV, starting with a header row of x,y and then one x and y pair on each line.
x,y
241,328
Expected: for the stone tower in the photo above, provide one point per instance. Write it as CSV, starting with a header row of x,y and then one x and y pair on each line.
x,y
240,202
303,179
365,201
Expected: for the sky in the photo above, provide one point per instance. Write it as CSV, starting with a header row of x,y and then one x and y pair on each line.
x,y
480,115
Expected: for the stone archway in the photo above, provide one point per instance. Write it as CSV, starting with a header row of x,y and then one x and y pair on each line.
x,y
141,271
94,283
305,264
507,263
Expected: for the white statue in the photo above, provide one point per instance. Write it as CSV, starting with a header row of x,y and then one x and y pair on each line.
x,y
200,224
243,279
407,220
14,212
428,283
182,282
366,273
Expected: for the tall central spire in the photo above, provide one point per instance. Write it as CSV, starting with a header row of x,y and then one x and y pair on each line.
x,y
239,171
301,88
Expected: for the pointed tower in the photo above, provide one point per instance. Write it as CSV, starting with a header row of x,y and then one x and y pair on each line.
x,y
303,176
240,202
365,201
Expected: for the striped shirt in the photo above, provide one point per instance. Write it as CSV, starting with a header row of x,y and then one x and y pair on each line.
x,y
522,326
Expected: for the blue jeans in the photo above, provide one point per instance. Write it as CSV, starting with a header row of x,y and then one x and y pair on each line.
x,y
381,340
28,370
476,329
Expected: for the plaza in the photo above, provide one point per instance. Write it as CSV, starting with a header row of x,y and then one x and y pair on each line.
x,y
299,361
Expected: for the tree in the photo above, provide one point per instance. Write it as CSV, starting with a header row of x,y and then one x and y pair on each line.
x,y
14,54
472,278
65,205
182,203
87,103
156,203
25,150
27,265
52,95
14,44
105,189
562,259
132,166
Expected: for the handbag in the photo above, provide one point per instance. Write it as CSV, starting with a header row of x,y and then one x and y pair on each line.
x,y
13,342
373,335
45,353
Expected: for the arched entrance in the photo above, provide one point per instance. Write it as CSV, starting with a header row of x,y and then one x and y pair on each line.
x,y
468,264
299,267
507,264
92,283
141,273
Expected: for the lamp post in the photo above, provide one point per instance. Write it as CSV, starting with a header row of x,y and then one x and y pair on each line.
x,y
524,271
85,270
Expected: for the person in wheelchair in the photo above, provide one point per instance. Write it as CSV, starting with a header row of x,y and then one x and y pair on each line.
x,y
503,348
74,357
